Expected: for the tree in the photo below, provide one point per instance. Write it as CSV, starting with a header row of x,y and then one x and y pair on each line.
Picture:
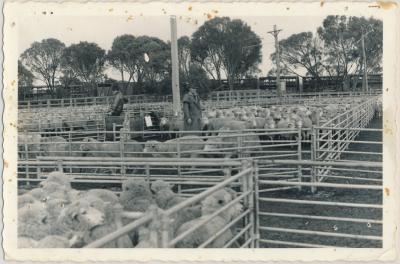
x,y
125,55
222,45
43,59
341,36
301,54
159,64
86,61
184,55
25,80
242,50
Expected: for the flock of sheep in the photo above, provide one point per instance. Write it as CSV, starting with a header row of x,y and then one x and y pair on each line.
x,y
64,217
57,118
55,215
215,122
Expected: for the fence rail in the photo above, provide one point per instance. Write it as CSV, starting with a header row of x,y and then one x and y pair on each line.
x,y
354,216
277,188
166,236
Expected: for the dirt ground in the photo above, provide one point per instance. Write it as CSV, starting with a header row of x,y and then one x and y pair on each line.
x,y
332,195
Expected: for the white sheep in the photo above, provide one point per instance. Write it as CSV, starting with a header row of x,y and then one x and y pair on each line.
x,y
164,196
189,146
210,205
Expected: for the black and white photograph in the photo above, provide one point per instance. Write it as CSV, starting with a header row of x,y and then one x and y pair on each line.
x,y
198,127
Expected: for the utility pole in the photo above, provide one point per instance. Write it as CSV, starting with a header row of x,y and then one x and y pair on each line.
x,y
365,77
275,33
176,96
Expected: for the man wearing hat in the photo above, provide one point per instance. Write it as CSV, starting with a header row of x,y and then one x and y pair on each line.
x,y
118,102
192,110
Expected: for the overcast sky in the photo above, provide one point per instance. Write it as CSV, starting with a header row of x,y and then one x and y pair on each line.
x,y
102,30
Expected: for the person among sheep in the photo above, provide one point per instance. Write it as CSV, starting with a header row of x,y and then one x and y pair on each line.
x,y
136,195
192,110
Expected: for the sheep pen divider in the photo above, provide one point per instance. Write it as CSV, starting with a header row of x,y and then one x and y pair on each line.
x,y
190,176
166,237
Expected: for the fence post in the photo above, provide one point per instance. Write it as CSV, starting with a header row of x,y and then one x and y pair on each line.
x,y
239,146
250,186
256,243
26,166
114,131
314,154
245,188
122,151
147,168
60,165
178,146
299,157
118,223
165,230
227,172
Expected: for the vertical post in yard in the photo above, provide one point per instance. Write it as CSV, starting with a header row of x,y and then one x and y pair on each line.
x,y
299,156
239,147
365,77
313,157
245,188
26,166
122,153
118,223
178,146
114,131
175,67
165,230
227,172
38,171
256,243
60,165
70,149
250,198
148,173
275,33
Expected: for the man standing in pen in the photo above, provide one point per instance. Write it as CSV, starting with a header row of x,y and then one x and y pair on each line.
x,y
192,111
117,105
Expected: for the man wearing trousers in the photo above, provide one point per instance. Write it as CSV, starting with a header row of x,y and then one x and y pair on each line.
x,y
192,111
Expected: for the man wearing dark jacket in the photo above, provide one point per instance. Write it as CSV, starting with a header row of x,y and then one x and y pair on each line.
x,y
118,102
192,111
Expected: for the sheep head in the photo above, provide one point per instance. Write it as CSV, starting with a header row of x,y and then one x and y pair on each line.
x,y
219,199
160,185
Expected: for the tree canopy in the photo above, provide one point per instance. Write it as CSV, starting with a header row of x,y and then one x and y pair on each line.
x,y
222,45
300,51
335,51
341,36
86,61
43,60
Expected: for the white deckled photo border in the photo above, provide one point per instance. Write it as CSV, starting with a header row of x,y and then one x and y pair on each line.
x,y
14,12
